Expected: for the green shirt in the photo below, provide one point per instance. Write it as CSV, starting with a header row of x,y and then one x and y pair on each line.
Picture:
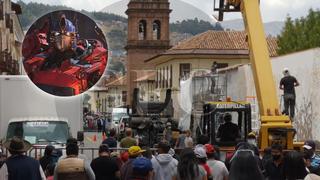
x,y
127,142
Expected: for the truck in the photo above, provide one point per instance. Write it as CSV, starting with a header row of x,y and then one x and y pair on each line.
x,y
38,117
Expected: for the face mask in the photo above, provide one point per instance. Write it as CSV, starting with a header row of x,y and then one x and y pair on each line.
x,y
308,154
276,157
252,141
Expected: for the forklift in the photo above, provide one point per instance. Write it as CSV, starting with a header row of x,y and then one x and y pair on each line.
x,y
213,118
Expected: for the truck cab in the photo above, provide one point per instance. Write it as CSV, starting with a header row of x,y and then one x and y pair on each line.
x,y
40,131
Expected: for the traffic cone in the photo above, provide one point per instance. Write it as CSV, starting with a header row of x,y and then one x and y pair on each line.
x,y
94,138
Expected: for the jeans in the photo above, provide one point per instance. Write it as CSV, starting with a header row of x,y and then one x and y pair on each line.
x,y
289,104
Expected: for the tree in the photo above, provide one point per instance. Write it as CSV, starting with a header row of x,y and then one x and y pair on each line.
x,y
300,34
193,26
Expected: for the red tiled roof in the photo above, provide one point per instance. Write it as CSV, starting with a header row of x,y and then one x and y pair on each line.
x,y
119,81
221,40
150,75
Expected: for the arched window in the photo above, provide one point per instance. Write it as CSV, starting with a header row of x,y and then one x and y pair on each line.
x,y
156,30
142,30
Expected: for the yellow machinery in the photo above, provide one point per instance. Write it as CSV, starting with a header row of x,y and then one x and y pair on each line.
x,y
275,128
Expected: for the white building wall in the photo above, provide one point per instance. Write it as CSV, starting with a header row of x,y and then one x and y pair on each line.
x,y
305,66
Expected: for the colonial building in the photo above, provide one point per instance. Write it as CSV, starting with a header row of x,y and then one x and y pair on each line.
x,y
11,37
226,48
148,35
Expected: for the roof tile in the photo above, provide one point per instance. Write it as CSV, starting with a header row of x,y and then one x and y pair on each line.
x,y
222,40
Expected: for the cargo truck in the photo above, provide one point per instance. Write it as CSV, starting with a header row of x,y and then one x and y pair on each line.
x,y
38,117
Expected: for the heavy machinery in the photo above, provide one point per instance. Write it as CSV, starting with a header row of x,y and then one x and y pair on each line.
x,y
275,128
148,119
213,119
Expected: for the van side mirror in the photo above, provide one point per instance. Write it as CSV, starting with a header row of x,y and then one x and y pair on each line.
x,y
80,136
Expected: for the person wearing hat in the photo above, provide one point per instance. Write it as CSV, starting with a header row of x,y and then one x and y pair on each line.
x,y
219,169
252,140
142,169
19,166
201,155
164,163
126,169
128,141
288,84
311,158
104,167
72,167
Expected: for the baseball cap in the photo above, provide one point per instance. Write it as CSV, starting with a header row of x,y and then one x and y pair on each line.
x,y
135,151
200,152
209,148
124,156
104,148
309,144
252,135
141,165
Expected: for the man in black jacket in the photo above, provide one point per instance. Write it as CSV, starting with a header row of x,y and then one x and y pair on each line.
x,y
19,166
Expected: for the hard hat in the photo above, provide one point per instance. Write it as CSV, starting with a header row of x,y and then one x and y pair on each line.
x,y
252,135
285,70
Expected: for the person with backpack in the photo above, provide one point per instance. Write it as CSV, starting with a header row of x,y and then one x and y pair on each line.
x,y
142,169
127,168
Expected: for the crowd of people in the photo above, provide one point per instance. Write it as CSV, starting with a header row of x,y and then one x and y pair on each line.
x,y
199,162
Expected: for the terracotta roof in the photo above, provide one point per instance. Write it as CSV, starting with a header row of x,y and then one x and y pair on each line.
x,y
150,75
118,81
221,40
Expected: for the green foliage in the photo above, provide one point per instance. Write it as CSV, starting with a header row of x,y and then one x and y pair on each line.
x,y
32,11
117,39
101,16
193,26
300,34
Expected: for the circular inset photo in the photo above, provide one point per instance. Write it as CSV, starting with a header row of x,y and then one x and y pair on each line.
x,y
64,53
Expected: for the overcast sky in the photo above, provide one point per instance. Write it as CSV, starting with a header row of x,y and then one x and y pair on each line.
x,y
272,10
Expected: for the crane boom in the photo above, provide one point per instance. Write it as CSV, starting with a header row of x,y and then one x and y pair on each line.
x,y
274,126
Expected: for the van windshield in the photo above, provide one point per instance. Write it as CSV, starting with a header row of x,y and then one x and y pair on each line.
x,y
117,116
37,132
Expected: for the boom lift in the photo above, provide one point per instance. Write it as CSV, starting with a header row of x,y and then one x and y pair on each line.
x,y
275,128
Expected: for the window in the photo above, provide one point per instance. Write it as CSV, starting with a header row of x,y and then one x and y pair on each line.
x,y
185,71
156,30
1,10
160,78
142,30
170,76
157,77
163,77
124,96
167,78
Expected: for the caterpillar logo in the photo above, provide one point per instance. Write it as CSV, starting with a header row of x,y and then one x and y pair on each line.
x,y
229,106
